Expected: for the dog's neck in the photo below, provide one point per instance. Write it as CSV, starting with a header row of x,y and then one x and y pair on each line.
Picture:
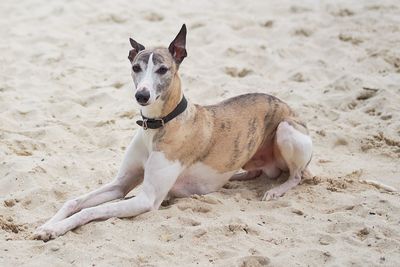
x,y
167,103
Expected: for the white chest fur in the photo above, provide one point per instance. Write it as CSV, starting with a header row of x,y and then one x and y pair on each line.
x,y
147,138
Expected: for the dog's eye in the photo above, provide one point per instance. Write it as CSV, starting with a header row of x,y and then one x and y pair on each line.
x,y
136,68
162,70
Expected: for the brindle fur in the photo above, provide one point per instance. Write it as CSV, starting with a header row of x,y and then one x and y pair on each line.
x,y
201,133
240,126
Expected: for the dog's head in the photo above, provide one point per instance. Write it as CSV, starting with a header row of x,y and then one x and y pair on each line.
x,y
153,70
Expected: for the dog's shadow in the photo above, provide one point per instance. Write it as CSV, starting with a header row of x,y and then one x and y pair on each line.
x,y
253,189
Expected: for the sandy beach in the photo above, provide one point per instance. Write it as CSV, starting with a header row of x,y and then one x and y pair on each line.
x,y
67,113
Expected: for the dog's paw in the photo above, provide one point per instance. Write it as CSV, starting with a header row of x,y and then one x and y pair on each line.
x,y
44,233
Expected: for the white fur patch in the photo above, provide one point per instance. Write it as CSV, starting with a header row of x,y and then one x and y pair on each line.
x,y
199,179
160,176
148,80
295,146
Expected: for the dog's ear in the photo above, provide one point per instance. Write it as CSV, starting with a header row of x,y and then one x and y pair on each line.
x,y
136,48
178,46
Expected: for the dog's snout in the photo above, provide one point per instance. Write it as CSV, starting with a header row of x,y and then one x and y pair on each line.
x,y
142,96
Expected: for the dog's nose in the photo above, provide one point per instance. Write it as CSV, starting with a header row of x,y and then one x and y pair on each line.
x,y
142,96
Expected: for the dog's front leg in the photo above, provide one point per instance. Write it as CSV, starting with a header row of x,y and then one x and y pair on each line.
x,y
129,176
160,175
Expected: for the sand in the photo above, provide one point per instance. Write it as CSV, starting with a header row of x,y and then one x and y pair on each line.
x,y
67,113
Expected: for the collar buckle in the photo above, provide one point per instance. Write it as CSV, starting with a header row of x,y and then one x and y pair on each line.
x,y
145,124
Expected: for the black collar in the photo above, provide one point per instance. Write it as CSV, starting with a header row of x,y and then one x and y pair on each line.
x,y
148,123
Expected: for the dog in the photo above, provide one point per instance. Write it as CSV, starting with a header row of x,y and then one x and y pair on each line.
x,y
183,148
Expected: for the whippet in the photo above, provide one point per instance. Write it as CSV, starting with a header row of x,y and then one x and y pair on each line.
x,y
183,148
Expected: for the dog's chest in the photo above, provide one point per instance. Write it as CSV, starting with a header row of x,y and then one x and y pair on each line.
x,y
199,179
147,139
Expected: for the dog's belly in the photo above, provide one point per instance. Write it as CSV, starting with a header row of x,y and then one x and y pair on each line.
x,y
199,179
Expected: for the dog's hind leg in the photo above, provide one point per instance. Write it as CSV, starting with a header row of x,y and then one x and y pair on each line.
x,y
295,148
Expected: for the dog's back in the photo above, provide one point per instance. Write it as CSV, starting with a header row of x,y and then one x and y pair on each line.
x,y
227,135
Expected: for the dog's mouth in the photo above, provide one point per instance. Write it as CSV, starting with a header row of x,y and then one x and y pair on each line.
x,y
144,104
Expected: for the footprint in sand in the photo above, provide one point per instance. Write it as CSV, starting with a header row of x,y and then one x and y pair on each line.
x,y
237,73
388,146
200,208
254,261
341,141
115,18
9,203
346,83
298,77
199,233
345,37
153,17
367,93
303,32
342,227
363,233
188,221
342,13
25,147
197,25
237,228
9,226
117,85
299,9
233,51
326,240
268,24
